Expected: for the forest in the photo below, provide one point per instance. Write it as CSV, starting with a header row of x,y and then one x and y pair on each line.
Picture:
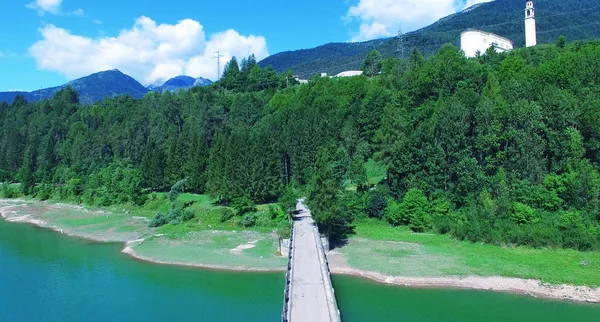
x,y
501,148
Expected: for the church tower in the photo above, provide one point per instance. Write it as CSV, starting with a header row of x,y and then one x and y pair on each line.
x,y
530,32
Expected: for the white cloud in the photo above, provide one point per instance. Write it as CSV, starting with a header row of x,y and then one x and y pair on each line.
x,y
1,54
43,6
97,21
382,18
79,13
149,52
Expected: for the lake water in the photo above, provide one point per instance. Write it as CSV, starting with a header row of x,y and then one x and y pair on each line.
x,y
48,277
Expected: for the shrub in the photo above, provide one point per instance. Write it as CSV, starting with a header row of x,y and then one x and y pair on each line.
x,y
392,213
283,230
177,214
522,214
226,214
9,191
176,190
243,205
44,192
376,204
249,220
159,220
355,204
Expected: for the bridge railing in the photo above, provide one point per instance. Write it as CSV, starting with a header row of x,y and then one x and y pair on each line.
x,y
285,316
334,311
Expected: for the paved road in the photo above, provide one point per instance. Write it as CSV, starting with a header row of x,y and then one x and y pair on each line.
x,y
311,293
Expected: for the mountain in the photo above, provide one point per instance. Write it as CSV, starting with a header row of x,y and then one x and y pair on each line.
x,y
181,82
91,88
575,19
202,82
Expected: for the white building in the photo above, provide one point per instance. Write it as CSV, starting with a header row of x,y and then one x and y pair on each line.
x,y
349,73
530,32
473,41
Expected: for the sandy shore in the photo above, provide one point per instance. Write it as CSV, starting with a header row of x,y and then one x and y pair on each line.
x,y
338,265
534,288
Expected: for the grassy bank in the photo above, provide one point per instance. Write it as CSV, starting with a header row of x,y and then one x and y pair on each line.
x,y
393,251
205,240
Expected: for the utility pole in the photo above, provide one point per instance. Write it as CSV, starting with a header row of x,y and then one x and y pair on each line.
x,y
218,58
401,42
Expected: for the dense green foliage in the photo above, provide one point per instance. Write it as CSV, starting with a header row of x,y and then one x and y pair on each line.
x,y
504,148
576,19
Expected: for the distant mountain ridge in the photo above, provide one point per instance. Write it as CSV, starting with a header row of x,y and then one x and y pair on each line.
x,y
575,19
110,83
181,82
92,88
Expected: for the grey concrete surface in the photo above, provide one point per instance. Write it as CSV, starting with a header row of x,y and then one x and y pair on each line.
x,y
311,293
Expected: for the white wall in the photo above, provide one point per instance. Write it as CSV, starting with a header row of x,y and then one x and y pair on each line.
x,y
474,41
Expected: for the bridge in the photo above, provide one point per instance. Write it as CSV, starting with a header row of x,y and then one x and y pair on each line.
x,y
309,294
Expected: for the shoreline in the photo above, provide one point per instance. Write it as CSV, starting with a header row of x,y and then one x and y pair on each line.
x,y
129,251
513,285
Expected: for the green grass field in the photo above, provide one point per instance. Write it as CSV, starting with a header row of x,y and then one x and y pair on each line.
x,y
397,251
375,172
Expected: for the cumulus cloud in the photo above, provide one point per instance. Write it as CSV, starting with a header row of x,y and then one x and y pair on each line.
x,y
382,18
43,6
149,52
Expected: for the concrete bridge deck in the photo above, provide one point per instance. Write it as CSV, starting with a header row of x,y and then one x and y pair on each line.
x,y
311,295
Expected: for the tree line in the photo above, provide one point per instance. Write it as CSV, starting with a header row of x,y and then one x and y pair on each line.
x,y
502,148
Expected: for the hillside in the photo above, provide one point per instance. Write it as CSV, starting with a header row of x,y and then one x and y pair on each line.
x,y
501,149
91,88
575,19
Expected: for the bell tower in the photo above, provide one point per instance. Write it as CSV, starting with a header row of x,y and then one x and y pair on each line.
x,y
530,32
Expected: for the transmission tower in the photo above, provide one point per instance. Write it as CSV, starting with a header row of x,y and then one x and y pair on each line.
x,y
218,58
401,42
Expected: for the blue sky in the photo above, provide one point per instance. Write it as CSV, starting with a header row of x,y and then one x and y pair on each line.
x,y
49,42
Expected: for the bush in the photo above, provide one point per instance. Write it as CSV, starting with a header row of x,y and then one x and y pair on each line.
x,y
160,219
177,214
226,214
283,230
249,220
376,204
8,191
412,212
392,213
176,190
243,205
44,192
355,204
522,214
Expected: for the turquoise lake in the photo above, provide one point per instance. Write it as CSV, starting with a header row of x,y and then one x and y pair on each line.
x,y
45,276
